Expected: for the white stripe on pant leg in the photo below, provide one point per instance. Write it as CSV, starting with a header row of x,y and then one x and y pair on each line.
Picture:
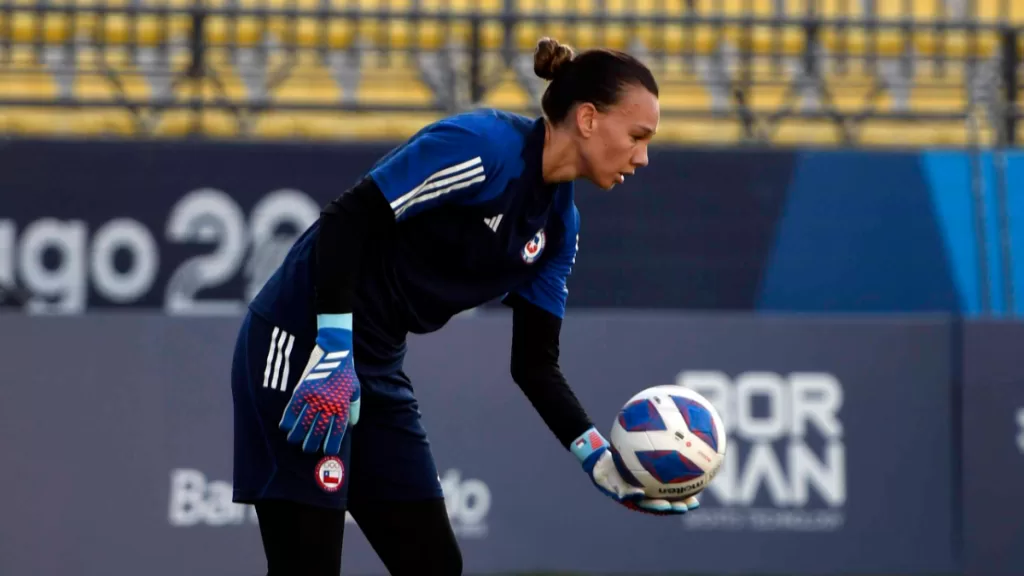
x,y
287,362
270,357
277,360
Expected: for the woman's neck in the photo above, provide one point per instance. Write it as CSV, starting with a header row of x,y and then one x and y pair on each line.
x,y
560,158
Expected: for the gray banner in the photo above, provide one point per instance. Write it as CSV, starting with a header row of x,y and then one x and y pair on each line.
x,y
117,447
993,449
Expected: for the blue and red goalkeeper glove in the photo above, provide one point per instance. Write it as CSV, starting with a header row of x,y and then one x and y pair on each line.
x,y
594,453
326,400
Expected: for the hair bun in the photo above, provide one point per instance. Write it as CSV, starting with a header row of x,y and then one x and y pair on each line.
x,y
550,57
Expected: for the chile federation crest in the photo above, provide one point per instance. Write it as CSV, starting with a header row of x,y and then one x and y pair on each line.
x,y
534,247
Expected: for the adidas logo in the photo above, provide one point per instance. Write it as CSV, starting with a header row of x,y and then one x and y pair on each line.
x,y
493,222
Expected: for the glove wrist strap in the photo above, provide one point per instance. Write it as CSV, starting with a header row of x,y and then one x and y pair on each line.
x,y
587,443
342,321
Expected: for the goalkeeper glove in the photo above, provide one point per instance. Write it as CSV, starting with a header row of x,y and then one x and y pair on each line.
x,y
326,400
594,453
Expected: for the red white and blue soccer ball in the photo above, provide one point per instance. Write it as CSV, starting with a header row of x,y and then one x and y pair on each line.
x,y
668,440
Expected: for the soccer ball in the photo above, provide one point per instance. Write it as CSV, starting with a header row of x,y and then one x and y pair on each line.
x,y
668,440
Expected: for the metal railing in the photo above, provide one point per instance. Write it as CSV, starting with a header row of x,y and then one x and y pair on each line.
x,y
755,69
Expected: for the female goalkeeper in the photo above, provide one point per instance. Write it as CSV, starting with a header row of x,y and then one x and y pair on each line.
x,y
475,207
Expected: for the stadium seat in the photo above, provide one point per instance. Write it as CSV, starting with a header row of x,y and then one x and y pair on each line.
x,y
25,75
391,79
681,87
297,77
25,27
1011,11
938,89
377,59
857,89
804,132
698,131
66,123
506,92
108,74
396,31
211,123
984,10
913,134
340,125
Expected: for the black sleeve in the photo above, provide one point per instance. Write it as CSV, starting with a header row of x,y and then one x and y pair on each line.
x,y
347,225
535,339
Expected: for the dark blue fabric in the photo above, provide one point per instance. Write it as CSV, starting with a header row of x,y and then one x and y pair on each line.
x,y
385,456
458,243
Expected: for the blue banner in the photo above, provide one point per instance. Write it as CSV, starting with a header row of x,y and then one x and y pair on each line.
x,y
195,228
185,229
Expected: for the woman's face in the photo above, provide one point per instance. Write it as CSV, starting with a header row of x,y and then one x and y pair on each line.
x,y
613,143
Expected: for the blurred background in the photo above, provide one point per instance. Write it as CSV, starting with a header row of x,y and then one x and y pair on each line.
x,y
796,72
827,244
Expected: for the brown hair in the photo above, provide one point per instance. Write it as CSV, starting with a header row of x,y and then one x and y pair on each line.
x,y
596,76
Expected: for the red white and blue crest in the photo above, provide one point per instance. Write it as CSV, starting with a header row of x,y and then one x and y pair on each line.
x,y
330,473
534,247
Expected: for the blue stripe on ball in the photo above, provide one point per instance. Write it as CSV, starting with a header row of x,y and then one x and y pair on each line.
x,y
698,420
668,466
640,416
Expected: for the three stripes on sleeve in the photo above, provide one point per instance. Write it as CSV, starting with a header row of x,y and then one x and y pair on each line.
x,y
442,182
